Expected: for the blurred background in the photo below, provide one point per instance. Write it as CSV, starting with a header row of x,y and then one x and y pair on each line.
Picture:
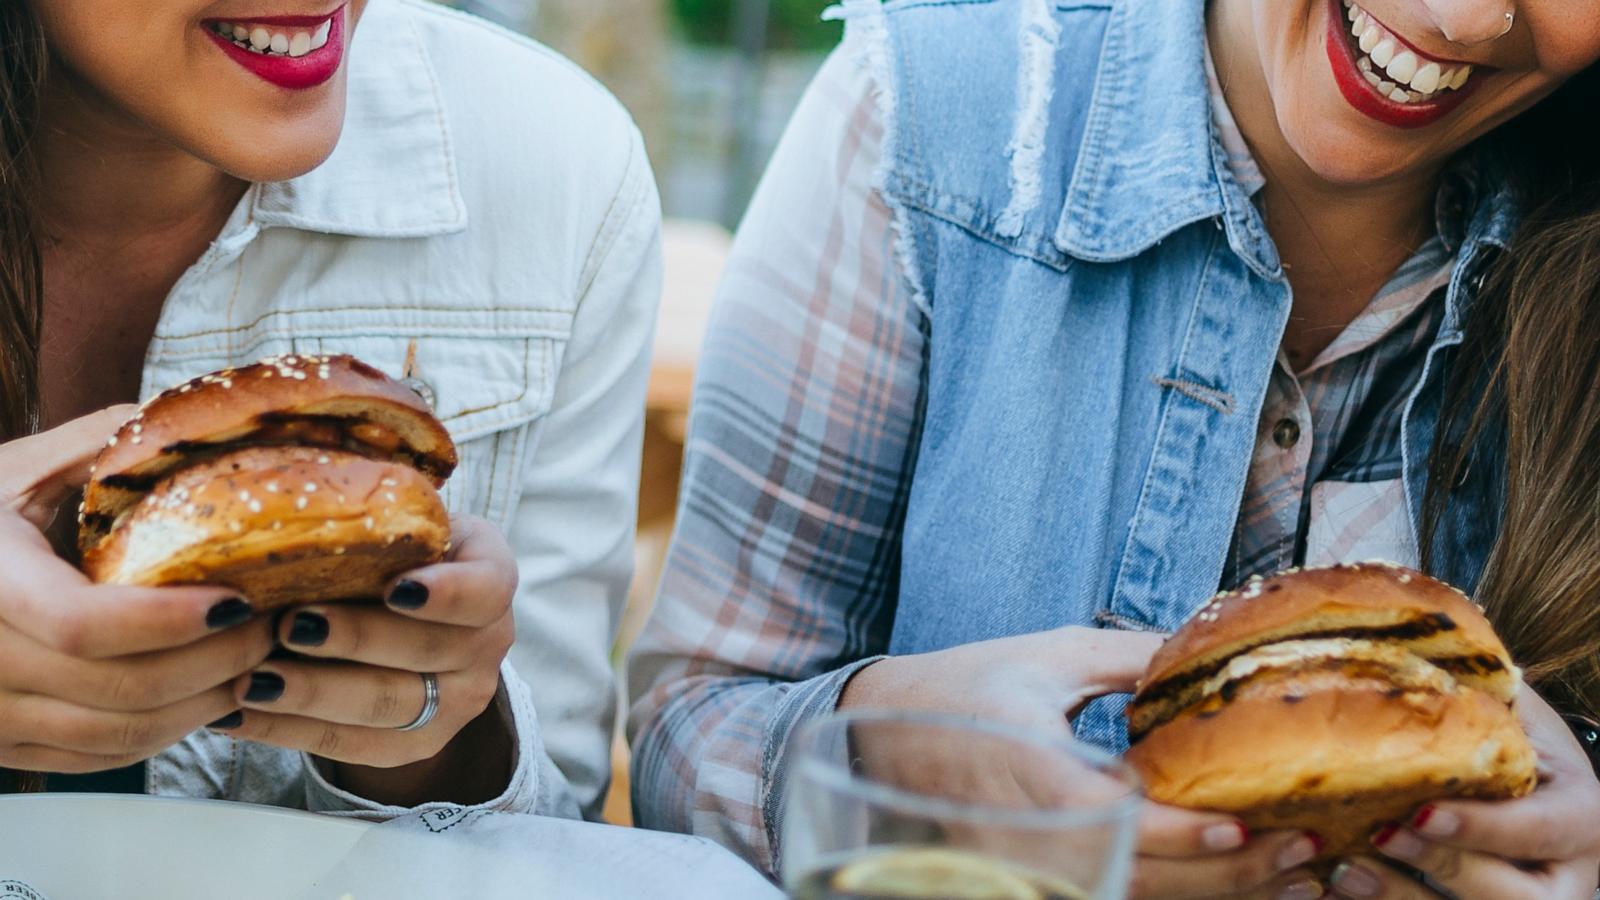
x,y
712,84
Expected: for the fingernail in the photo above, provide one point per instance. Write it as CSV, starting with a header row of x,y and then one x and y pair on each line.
x,y
409,595
228,613
1354,881
231,720
1298,853
1397,842
308,630
265,687
1225,836
1300,890
1435,822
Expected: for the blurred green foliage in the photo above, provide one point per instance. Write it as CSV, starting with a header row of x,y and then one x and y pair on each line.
x,y
791,24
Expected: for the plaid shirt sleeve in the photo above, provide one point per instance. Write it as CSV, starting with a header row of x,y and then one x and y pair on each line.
x,y
781,577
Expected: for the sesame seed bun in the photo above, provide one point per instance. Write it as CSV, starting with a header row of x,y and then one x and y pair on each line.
x,y
299,479
279,525
335,402
1331,700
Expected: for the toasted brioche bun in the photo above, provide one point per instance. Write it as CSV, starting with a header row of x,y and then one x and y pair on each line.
x,y
1332,701
334,402
279,524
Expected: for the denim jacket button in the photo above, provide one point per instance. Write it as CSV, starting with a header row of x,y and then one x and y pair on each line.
x,y
1286,433
421,389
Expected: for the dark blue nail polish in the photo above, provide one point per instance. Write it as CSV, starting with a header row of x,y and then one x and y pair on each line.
x,y
228,613
308,630
409,595
265,687
231,720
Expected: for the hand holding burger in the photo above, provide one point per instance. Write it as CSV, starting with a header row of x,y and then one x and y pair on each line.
x,y
306,482
1351,702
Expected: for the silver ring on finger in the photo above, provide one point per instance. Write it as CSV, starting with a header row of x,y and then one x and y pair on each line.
x,y
430,703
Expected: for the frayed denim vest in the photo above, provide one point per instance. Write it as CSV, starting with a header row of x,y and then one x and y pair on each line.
x,y
1105,309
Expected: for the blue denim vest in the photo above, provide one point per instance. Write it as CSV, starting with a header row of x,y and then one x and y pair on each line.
x,y
1105,309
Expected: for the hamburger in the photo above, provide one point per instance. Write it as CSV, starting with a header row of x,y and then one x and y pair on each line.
x,y
1333,701
298,479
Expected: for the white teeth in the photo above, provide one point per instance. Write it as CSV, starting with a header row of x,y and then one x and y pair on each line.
x,y
1399,96
1383,54
1402,67
300,44
1371,78
1370,37
1416,77
1426,79
279,43
320,38
260,38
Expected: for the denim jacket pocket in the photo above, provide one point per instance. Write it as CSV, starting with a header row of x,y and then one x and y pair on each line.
x,y
490,392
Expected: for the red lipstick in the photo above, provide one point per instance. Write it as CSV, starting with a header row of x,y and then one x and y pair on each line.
x,y
1366,99
293,73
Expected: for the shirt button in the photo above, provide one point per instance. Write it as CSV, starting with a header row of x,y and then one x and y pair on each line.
x,y
1286,433
421,389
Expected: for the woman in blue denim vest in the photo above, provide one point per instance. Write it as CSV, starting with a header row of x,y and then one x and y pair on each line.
x,y
1051,319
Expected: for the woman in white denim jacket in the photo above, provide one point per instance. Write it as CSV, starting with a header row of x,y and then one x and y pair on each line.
x,y
168,211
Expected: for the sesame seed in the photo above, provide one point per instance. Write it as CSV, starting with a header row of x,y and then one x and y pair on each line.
x,y
136,428
300,503
112,442
338,551
388,482
277,526
299,375
323,459
311,487
136,440
227,384
389,496
255,506
244,496
235,527
369,523
328,524
272,487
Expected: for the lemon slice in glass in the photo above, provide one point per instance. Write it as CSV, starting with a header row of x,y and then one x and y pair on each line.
x,y
933,873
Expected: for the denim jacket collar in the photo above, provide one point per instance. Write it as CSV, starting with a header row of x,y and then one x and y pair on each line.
x,y
393,173
1149,163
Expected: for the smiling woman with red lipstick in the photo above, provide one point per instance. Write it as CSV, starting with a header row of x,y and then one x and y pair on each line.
x,y
191,185
1054,317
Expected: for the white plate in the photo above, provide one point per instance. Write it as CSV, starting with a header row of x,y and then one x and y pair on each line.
x,y
128,847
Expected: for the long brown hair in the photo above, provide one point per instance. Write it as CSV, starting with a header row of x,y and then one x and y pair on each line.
x,y
22,66
1527,378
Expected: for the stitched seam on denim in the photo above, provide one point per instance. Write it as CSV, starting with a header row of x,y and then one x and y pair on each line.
x,y
1147,483
1221,401
627,198
446,149
1009,245
1106,617
1091,148
345,309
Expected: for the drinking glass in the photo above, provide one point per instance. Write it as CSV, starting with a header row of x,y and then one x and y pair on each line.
x,y
919,805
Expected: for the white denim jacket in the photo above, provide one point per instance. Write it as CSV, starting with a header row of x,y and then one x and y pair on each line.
x,y
491,203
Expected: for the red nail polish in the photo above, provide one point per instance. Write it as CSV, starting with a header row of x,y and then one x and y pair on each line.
x,y
1422,816
1317,843
1244,833
1385,835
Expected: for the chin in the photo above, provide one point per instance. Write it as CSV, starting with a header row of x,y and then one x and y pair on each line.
x,y
1338,149
275,149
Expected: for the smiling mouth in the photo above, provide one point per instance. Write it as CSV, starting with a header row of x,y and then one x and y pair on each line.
x,y
1394,68
275,40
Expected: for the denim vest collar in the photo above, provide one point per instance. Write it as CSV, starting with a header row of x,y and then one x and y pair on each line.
x,y
1150,162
